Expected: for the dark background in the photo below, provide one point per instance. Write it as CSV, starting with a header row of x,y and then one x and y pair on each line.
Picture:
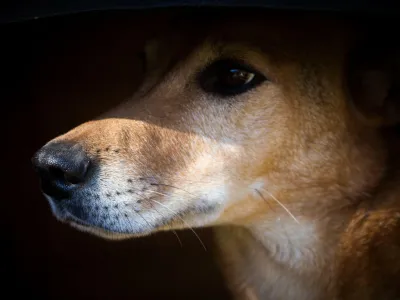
x,y
58,73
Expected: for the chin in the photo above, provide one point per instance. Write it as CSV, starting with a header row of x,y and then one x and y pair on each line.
x,y
106,234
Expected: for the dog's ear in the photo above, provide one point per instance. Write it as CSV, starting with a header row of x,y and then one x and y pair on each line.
x,y
374,81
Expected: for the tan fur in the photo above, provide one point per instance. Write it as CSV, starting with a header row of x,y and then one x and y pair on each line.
x,y
293,144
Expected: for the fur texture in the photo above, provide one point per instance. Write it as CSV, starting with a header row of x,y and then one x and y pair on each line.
x,y
295,176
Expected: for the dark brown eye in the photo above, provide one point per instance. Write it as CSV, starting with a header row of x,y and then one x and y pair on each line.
x,y
229,78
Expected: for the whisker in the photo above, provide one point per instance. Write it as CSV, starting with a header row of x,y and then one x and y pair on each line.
x,y
175,214
130,223
168,185
173,231
266,201
282,224
148,224
154,209
177,236
155,192
121,225
186,180
280,203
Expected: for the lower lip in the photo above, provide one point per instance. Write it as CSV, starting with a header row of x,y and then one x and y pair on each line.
x,y
72,219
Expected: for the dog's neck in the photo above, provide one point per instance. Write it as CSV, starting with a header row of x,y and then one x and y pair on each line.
x,y
283,261
284,258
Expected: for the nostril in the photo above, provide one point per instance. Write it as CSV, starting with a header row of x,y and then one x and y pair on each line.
x,y
72,179
63,177
56,173
62,168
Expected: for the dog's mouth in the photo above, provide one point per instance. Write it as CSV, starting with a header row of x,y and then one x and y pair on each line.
x,y
117,220
85,226
65,214
71,219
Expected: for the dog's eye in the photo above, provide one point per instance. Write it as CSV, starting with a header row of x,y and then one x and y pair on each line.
x,y
229,78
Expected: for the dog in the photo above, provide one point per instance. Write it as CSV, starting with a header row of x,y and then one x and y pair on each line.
x,y
276,129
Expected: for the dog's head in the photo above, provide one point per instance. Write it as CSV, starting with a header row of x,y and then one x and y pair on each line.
x,y
236,121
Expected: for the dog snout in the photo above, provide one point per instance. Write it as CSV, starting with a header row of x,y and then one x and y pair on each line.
x,y
62,168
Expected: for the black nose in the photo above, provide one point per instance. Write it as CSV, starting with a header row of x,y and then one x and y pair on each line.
x,y
62,168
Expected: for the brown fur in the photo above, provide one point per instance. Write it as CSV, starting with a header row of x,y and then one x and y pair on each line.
x,y
295,143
